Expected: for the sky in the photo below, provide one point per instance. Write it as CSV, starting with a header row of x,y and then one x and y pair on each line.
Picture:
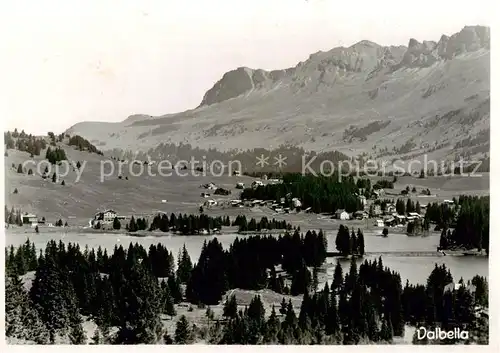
x,y
64,62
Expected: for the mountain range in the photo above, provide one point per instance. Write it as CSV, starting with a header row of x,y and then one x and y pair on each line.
x,y
427,97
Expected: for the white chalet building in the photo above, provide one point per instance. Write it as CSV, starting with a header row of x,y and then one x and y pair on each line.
x,y
341,214
105,216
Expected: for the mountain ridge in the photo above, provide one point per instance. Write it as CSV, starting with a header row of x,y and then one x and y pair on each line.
x,y
329,92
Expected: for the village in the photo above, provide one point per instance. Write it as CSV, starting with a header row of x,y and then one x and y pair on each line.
x,y
378,210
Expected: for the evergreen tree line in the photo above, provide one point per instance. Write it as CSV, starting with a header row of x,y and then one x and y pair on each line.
x,y
59,223
417,227
134,225
22,259
465,225
321,193
440,214
367,305
383,184
24,142
431,305
55,155
353,244
83,144
250,263
470,224
128,290
14,216
403,208
263,224
131,289
188,224
184,151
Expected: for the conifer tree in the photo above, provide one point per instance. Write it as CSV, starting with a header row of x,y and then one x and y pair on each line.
x,y
184,265
20,168
139,305
481,293
116,223
410,206
272,328
352,276
361,243
342,241
353,245
21,319
283,307
230,309
338,278
256,310
305,309
76,335
169,304
315,280
49,294
174,287
183,333
301,280
132,227
290,317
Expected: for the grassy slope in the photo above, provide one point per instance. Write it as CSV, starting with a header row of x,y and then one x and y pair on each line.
x,y
78,201
138,195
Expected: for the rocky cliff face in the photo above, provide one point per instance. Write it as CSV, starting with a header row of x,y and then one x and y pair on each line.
x,y
403,96
320,68
323,68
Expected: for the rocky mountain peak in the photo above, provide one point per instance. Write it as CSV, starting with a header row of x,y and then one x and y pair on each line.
x,y
325,67
469,39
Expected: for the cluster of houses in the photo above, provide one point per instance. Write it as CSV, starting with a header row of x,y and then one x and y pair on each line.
x,y
374,194
257,183
209,186
34,221
278,207
395,219
387,218
209,202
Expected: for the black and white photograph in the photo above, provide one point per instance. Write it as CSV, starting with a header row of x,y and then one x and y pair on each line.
x,y
299,172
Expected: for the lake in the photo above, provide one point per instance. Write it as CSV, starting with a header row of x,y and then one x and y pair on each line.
x,y
414,268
